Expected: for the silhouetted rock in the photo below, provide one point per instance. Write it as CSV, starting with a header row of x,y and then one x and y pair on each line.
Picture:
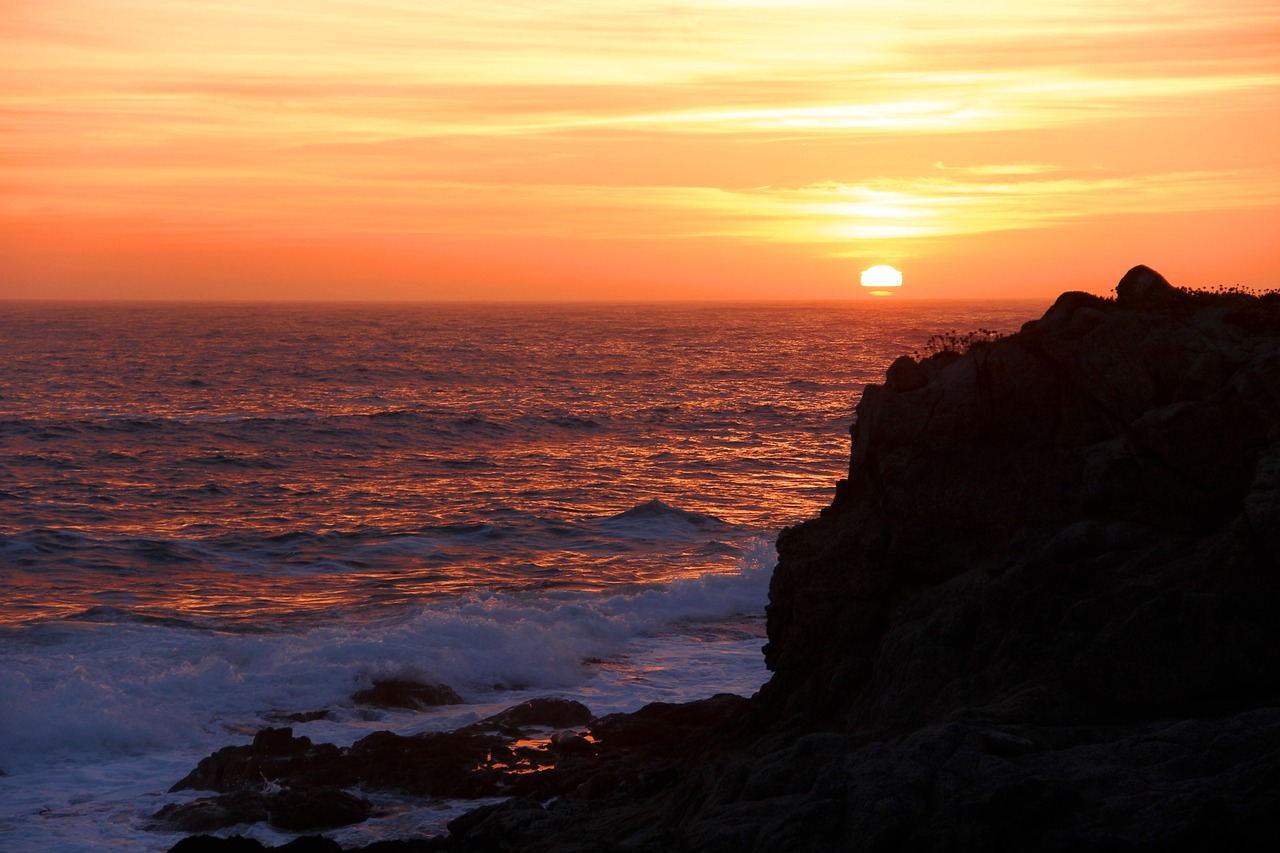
x,y
397,693
275,754
1144,286
1060,527
315,808
297,810
208,814
549,712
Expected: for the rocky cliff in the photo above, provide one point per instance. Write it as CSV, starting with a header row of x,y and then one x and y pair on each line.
x,y
1077,523
1042,613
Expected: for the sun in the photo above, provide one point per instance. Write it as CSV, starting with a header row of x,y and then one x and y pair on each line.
x,y
881,276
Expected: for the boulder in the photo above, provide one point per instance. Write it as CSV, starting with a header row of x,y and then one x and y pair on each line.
x,y
398,693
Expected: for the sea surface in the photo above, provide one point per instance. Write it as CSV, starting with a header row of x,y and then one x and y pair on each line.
x,y
215,515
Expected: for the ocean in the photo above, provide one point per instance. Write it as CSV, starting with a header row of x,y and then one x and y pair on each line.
x,y
213,516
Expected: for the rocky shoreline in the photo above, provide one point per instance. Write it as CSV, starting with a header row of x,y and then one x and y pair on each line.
x,y
1041,613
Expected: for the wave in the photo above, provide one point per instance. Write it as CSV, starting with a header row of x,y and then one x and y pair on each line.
x,y
111,682
572,422
231,461
655,519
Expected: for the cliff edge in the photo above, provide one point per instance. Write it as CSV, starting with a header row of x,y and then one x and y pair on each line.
x,y
1077,523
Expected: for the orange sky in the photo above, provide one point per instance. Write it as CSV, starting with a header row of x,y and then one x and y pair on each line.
x,y
611,149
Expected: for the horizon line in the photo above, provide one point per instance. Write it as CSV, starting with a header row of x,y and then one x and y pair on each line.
x,y
859,299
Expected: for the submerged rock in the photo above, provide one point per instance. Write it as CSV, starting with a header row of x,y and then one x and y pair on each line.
x,y
549,712
398,693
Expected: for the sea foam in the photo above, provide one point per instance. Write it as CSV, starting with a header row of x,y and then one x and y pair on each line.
x,y
113,688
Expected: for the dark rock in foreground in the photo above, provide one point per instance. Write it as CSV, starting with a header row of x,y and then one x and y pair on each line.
x,y
303,809
297,785
1040,615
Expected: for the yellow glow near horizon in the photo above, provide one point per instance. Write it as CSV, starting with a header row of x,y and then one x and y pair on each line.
x,y
631,148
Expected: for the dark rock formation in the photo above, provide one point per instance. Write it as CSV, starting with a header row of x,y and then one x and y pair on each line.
x,y
1067,526
297,785
432,764
295,810
414,695
552,713
1039,615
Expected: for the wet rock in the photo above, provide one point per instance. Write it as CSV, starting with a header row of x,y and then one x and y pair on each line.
x,y
434,764
547,712
493,827
665,728
571,743
398,693
206,815
275,754
212,844
295,810
298,785
315,808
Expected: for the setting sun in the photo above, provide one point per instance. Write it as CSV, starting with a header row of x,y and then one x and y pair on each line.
x,y
881,276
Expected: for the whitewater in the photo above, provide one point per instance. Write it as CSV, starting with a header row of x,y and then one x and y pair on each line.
x,y
216,518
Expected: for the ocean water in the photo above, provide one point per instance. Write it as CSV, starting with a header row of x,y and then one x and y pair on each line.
x,y
212,516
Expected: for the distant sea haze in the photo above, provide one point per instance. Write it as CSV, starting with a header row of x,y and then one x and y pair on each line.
x,y
210,515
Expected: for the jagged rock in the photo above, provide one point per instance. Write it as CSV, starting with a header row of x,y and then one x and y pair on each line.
x,y
548,712
905,374
297,810
275,754
315,808
1047,525
206,815
397,693
492,827
665,728
297,785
